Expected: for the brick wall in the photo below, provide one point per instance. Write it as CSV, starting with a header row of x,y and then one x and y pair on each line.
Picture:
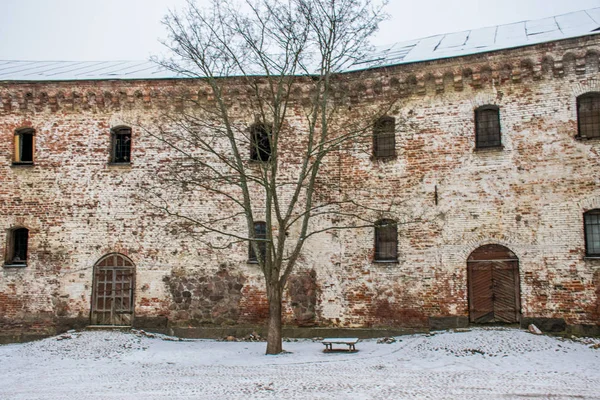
x,y
529,196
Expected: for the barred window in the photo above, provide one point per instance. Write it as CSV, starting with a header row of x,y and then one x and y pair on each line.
x,y
260,232
591,220
121,145
384,137
588,115
487,127
16,251
24,142
260,142
386,240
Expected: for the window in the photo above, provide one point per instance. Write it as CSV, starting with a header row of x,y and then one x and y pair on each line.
x,y
487,127
24,141
260,142
591,221
260,232
386,240
588,115
121,145
16,254
384,137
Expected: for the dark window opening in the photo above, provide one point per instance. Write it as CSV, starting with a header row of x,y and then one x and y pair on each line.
x,y
260,143
260,232
24,146
588,115
487,127
384,137
592,233
17,247
386,240
121,141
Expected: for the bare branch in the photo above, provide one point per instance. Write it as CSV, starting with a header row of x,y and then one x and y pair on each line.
x,y
270,73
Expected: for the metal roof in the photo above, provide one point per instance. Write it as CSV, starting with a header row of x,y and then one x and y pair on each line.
x,y
80,70
524,33
571,25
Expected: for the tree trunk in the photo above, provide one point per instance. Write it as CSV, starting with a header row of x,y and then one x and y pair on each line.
x,y
274,345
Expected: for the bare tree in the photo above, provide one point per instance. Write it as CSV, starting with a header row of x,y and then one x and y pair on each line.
x,y
262,141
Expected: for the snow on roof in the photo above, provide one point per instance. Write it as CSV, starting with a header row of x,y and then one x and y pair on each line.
x,y
565,26
80,70
525,33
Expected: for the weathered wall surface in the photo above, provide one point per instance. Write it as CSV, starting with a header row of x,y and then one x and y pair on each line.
x,y
529,196
448,199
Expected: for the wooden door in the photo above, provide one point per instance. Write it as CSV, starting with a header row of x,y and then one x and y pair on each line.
x,y
505,287
112,294
493,277
481,297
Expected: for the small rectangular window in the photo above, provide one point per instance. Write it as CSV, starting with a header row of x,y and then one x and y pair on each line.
x,y
386,240
260,232
121,145
384,137
260,142
588,115
487,127
17,247
592,233
24,143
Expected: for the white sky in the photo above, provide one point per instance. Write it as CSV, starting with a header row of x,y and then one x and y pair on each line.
x,y
88,30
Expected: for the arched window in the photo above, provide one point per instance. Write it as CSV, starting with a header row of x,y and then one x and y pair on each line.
x,y
260,142
24,146
260,232
386,240
591,222
588,115
487,127
121,145
384,137
16,247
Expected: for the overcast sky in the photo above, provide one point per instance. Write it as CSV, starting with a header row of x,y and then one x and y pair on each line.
x,y
89,30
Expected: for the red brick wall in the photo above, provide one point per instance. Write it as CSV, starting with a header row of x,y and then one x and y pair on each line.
x,y
529,196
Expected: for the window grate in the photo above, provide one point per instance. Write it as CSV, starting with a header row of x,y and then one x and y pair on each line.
x,y
386,240
592,233
122,145
113,290
384,137
487,127
588,115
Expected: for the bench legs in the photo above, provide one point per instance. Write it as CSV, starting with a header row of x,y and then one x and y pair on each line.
x,y
329,347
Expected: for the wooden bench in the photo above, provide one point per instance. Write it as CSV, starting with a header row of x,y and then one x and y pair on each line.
x,y
350,342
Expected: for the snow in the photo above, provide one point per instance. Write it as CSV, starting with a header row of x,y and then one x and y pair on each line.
x,y
480,363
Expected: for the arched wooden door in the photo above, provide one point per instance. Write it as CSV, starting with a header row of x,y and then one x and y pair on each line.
x,y
493,278
112,292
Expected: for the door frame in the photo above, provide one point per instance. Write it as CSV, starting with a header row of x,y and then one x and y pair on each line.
x,y
130,267
492,254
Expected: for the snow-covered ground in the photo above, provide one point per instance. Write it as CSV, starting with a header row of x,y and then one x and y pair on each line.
x,y
481,363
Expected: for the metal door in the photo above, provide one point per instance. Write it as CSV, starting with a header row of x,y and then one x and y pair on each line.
x,y
494,294
112,294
